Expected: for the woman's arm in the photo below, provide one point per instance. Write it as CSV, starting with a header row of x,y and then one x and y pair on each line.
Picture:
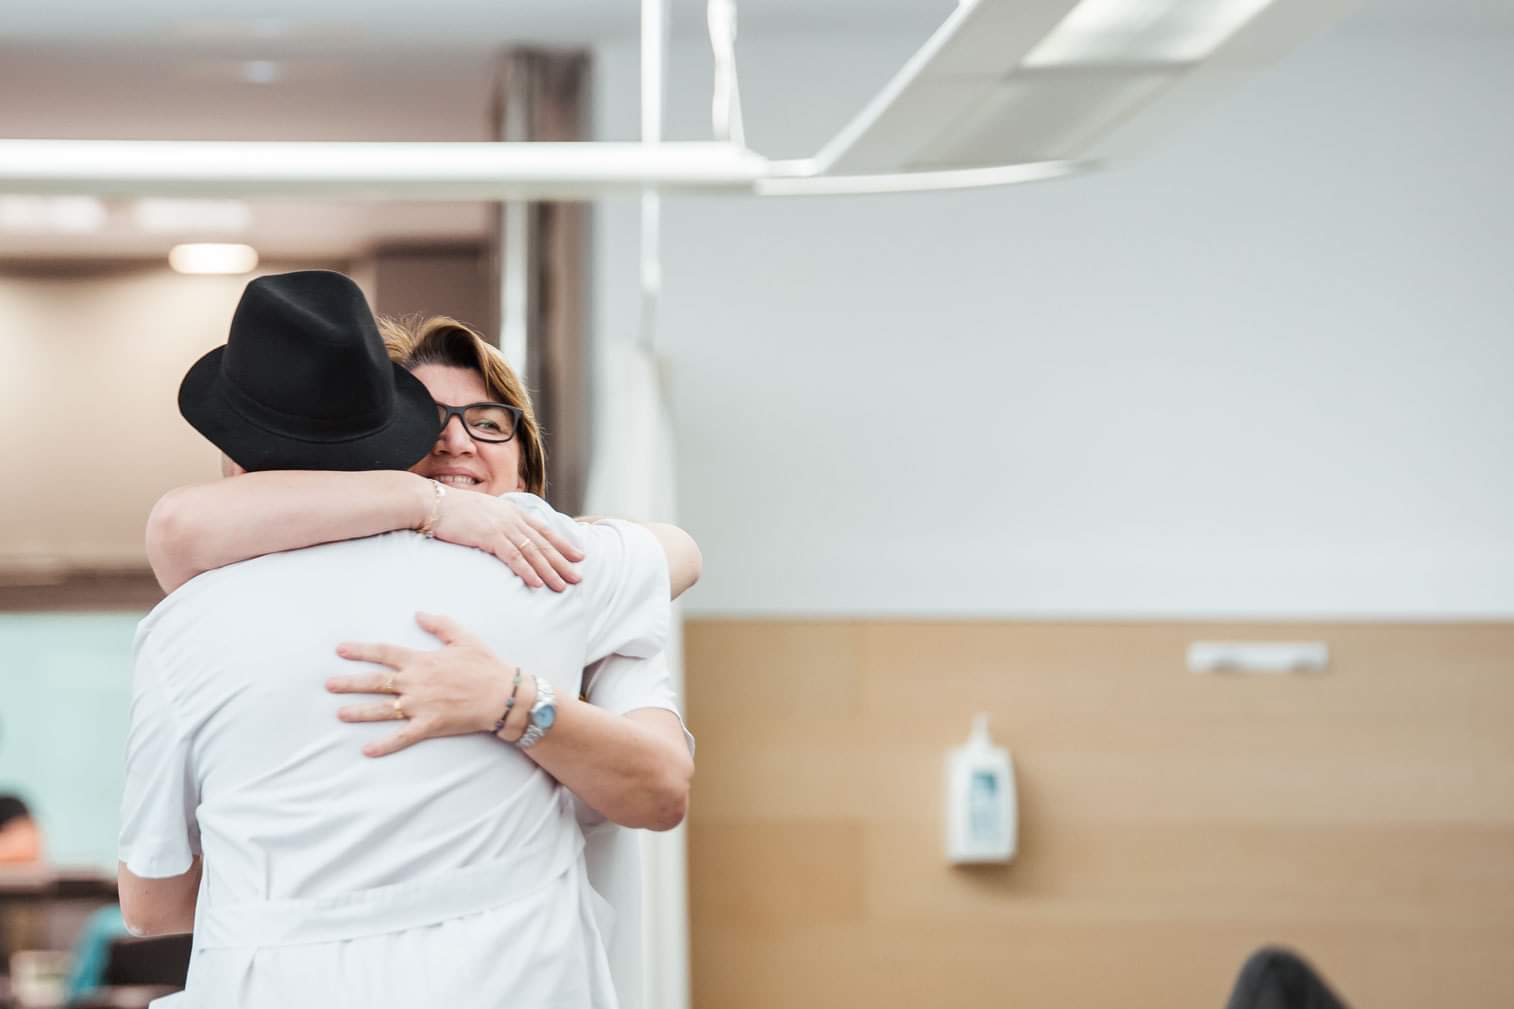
x,y
206,526
685,562
634,769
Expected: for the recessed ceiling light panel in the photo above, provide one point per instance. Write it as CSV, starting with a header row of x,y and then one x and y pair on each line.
x,y
189,217
71,215
262,71
213,257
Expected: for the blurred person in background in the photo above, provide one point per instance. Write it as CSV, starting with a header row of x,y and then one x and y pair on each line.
x,y
92,952
635,771
1274,977
20,837
444,874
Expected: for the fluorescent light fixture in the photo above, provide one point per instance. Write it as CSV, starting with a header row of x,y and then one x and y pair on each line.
x,y
73,215
167,216
262,72
213,257
1142,31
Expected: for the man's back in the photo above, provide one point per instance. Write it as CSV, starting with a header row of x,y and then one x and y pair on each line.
x,y
290,807
230,677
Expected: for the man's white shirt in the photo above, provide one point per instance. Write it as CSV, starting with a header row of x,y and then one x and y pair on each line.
x,y
326,873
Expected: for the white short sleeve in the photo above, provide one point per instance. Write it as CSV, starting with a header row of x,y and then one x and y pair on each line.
x,y
625,582
619,685
625,578
159,833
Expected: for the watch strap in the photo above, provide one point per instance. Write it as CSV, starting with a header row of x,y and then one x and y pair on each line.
x,y
545,696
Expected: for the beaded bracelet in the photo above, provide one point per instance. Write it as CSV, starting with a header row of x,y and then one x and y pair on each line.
x,y
509,703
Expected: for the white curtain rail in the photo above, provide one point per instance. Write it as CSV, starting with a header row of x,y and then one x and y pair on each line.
x,y
378,171
448,171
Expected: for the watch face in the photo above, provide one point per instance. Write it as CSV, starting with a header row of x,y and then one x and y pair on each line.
x,y
543,717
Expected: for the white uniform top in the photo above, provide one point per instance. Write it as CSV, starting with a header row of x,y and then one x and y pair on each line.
x,y
613,853
447,874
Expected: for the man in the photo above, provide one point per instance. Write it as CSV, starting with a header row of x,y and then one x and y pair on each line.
x,y
445,874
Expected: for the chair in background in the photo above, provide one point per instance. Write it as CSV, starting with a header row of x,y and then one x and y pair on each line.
x,y
138,971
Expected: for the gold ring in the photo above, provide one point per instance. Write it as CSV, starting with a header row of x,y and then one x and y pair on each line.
x,y
389,682
399,709
521,546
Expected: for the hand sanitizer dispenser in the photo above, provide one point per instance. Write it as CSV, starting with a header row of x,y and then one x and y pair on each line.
x,y
981,822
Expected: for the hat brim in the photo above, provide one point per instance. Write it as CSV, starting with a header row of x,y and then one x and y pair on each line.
x,y
399,444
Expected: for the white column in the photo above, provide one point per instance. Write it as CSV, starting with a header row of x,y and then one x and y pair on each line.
x,y
665,910
633,474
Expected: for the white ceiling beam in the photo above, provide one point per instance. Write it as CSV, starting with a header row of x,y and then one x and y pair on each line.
x,y
376,171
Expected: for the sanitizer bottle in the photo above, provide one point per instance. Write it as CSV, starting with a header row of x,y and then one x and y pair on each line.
x,y
981,824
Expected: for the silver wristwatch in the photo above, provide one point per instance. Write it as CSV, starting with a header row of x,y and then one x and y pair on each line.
x,y
543,715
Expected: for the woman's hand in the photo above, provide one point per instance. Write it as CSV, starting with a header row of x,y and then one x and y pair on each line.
x,y
460,688
532,549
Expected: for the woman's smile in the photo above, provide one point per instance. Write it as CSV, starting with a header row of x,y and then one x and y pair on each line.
x,y
456,459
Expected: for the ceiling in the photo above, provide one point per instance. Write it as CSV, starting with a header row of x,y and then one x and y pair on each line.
x,y
375,70
278,25
471,23
129,91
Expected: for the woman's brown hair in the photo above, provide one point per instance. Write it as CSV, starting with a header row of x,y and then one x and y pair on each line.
x,y
414,341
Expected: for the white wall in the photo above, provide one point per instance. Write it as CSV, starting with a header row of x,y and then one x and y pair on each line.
x,y
63,718
1263,371
90,432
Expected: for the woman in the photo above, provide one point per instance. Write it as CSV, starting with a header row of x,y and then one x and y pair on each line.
x,y
637,769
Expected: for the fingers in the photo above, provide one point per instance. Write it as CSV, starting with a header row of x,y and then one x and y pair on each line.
x,y
444,629
560,543
544,560
517,562
539,556
548,554
377,712
552,557
364,683
406,737
385,655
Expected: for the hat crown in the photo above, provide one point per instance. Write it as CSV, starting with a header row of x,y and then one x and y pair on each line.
x,y
304,346
303,382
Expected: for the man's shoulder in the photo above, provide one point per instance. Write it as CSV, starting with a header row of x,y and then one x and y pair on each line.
x,y
288,573
322,556
291,570
539,509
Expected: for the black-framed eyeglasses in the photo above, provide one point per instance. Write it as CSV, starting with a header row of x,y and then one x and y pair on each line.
x,y
490,422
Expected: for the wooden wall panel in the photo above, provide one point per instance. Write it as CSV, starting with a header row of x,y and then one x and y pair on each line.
x,y
1170,823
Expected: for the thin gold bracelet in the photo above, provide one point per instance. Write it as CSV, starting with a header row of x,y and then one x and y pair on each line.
x,y
429,529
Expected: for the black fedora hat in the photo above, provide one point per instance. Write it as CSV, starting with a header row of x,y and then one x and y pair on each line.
x,y
303,382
